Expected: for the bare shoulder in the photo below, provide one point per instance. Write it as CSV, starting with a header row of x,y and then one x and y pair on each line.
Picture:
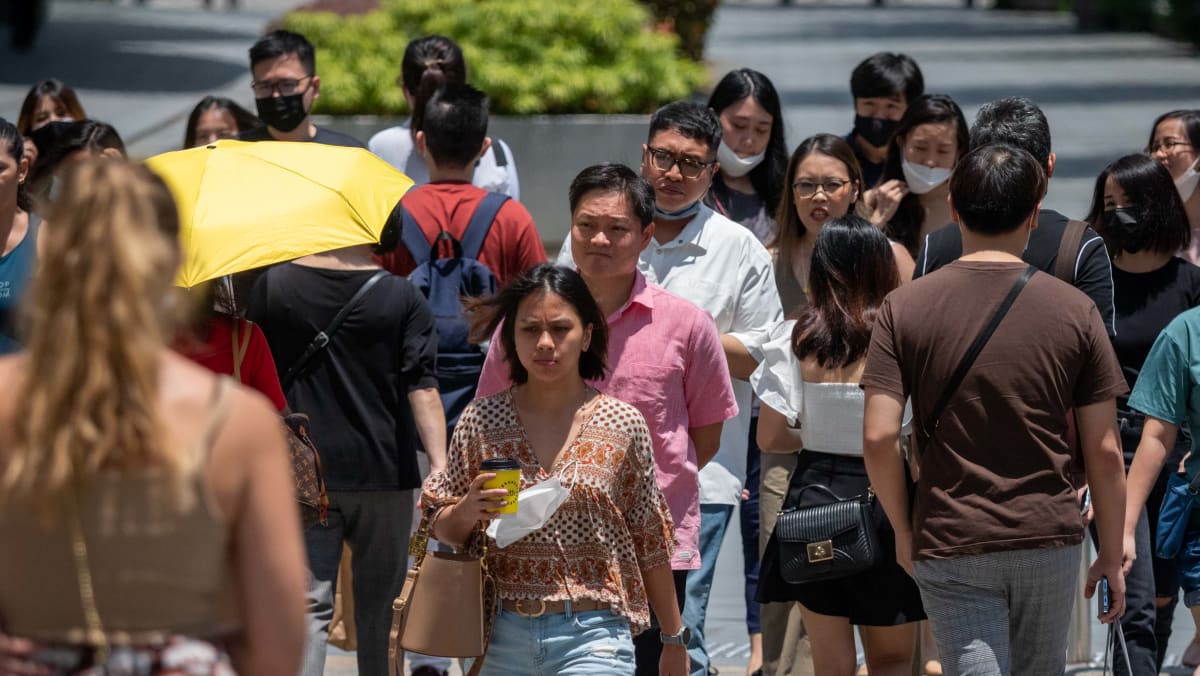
x,y
242,431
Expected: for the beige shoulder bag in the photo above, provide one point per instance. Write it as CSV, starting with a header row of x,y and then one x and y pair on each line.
x,y
446,606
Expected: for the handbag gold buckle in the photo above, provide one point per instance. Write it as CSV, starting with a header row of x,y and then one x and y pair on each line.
x,y
820,551
541,609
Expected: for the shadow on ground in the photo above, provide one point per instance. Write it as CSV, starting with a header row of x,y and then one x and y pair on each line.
x,y
113,56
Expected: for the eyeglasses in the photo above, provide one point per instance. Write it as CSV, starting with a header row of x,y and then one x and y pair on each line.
x,y
285,87
1168,145
663,160
809,188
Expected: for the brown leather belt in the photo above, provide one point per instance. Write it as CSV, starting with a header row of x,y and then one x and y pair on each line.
x,y
538,607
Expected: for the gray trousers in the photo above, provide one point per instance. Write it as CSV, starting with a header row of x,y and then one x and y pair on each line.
x,y
376,524
1001,613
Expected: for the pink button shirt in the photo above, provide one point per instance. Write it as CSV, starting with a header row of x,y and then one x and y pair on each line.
x,y
665,358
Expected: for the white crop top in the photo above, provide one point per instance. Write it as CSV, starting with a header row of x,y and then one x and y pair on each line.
x,y
828,415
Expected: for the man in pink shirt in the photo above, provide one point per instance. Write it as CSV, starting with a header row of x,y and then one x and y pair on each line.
x,y
664,353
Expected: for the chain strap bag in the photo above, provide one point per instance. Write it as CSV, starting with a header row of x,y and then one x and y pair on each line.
x,y
447,603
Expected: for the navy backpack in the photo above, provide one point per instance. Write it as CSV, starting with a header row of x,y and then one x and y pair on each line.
x,y
445,282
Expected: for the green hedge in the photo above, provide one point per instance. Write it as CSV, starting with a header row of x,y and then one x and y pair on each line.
x,y
530,56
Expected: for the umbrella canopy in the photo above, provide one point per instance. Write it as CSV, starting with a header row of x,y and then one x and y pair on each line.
x,y
244,205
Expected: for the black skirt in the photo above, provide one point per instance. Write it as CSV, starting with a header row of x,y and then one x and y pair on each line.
x,y
883,596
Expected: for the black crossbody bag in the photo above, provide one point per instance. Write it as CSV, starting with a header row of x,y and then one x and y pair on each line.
x,y
838,539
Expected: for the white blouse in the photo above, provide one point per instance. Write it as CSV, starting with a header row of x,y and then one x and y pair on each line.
x,y
828,415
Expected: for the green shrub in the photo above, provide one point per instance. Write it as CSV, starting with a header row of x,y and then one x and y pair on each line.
x,y
530,56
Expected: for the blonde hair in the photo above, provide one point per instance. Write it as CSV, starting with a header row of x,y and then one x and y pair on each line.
x,y
96,324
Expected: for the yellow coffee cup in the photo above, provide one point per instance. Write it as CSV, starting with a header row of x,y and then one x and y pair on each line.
x,y
508,477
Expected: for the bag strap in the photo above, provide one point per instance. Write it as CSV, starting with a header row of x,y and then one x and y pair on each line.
x,y
1068,249
321,340
930,424
481,223
870,494
413,237
239,347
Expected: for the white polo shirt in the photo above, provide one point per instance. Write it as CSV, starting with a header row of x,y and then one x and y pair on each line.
x,y
496,171
722,267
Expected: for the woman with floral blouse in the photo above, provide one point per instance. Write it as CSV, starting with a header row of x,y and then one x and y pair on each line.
x,y
574,592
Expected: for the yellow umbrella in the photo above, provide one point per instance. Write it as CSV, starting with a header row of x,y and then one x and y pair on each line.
x,y
245,205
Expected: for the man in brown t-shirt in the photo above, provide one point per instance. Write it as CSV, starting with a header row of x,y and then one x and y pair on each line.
x,y
994,537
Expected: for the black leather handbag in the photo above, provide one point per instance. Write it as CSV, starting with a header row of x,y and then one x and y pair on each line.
x,y
829,541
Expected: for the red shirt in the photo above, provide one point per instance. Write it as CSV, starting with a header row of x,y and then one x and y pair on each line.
x,y
216,354
513,245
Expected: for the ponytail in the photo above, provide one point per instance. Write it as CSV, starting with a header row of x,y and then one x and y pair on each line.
x,y
430,63
431,80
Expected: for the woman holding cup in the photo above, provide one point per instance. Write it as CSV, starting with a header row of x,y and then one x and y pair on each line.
x,y
580,586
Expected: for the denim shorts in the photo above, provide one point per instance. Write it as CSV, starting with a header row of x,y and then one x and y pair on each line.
x,y
567,644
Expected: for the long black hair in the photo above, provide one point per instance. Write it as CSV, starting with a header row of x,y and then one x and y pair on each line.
x,y
853,269
1162,223
768,177
905,226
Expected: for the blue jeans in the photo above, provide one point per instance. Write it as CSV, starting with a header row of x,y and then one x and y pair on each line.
x,y
714,519
570,644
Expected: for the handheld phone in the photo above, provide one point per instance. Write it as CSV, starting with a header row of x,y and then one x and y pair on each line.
x,y
1105,598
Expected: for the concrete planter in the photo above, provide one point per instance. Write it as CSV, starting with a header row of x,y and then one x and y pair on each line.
x,y
549,152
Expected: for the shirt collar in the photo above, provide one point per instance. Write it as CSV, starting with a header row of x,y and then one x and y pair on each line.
x,y
639,295
692,233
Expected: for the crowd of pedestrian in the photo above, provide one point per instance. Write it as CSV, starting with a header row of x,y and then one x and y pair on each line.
x,y
917,387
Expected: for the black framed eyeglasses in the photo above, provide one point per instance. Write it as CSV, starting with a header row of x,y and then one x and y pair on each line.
x,y
285,87
829,186
663,160
1169,145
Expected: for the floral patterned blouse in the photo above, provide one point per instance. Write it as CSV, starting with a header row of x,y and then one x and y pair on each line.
x,y
614,524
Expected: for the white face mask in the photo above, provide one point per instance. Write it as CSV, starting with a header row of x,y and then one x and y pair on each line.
x,y
1186,185
921,179
535,506
737,166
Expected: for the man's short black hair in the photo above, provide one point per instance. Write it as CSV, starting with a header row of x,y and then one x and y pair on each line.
x,y
995,188
887,74
1014,121
455,124
692,120
280,42
609,178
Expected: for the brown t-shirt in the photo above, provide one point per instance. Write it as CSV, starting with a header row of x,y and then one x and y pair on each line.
x,y
997,474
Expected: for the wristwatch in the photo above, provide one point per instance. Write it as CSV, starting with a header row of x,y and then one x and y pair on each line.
x,y
679,638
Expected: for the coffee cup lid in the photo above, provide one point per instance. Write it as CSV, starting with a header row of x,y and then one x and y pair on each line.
x,y
495,464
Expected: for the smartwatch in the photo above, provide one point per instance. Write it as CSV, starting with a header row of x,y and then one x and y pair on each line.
x,y
682,637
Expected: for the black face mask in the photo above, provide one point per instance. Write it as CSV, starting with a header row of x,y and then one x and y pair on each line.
x,y
284,113
874,130
1124,231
